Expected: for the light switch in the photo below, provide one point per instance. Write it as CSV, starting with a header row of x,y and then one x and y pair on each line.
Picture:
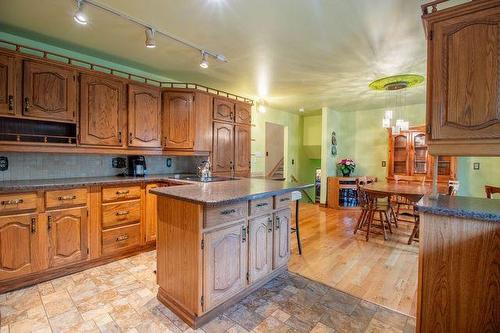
x,y
476,166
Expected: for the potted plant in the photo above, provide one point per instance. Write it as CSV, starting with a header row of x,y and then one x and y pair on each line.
x,y
346,166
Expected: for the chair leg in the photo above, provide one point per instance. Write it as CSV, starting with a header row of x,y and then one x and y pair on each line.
x,y
297,226
360,222
382,222
388,221
414,232
371,214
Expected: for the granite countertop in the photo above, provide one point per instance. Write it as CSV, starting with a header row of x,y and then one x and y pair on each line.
x,y
46,184
226,192
464,207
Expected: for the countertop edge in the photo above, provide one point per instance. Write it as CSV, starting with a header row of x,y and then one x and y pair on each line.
x,y
439,208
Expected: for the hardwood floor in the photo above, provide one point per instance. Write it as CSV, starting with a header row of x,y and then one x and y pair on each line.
x,y
383,272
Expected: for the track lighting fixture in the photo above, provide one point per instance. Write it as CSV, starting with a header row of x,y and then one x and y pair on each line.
x,y
80,16
150,38
204,60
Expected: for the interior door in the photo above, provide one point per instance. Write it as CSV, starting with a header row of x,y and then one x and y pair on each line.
x,y
466,76
7,85
102,111
18,235
223,147
260,242
281,251
242,148
49,91
223,109
67,236
144,116
225,264
178,120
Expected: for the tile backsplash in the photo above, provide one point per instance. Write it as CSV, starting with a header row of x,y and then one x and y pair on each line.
x,y
50,166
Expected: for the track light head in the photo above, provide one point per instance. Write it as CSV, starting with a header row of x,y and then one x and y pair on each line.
x,y
80,16
150,38
204,60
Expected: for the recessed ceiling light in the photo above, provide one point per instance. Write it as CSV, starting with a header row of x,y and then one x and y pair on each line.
x,y
80,16
150,38
204,60
301,110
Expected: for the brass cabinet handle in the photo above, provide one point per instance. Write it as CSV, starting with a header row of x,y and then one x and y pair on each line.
x,y
26,104
12,202
122,212
49,222
67,197
130,138
11,102
120,137
121,238
228,211
262,204
231,115
122,192
277,223
243,234
269,224
33,225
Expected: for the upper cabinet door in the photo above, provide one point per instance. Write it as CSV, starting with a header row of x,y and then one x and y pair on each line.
x,y
49,92
465,70
144,116
7,85
223,148
102,111
242,146
178,120
223,109
243,113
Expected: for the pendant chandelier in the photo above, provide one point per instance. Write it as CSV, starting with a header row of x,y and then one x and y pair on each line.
x,y
395,88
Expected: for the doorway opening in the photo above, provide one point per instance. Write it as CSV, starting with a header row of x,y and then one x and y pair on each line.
x,y
275,166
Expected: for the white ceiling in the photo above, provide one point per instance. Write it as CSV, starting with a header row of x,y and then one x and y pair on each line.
x,y
294,53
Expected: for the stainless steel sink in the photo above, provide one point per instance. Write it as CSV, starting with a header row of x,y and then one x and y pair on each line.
x,y
207,180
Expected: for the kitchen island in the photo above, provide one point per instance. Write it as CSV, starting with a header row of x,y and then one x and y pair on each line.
x,y
218,242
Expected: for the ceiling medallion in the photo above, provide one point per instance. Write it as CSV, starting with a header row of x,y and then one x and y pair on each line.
x,y
395,99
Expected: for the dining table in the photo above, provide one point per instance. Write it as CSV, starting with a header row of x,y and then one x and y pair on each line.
x,y
412,192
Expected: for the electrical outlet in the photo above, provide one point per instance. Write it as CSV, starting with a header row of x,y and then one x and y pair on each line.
x,y
384,164
118,162
476,166
4,163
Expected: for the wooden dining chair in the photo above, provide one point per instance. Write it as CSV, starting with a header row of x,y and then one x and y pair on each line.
x,y
490,190
374,207
362,203
400,201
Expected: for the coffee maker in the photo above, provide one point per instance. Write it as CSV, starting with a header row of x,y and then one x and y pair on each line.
x,y
136,165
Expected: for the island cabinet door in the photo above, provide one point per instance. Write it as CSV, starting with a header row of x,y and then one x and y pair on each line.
x,y
281,242
260,242
465,77
67,236
223,148
19,239
225,264
178,120
144,116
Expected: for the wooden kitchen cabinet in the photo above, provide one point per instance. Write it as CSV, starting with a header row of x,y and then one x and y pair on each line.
x,y
68,233
260,243
203,137
224,109
19,245
178,120
151,213
463,90
144,116
223,147
102,111
7,85
225,264
243,113
242,148
49,91
281,241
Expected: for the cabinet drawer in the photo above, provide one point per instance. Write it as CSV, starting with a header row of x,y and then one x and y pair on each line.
x,y
65,198
261,206
283,200
10,203
121,193
226,213
121,238
120,213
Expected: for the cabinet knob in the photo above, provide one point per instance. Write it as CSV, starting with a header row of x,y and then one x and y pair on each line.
x,y
277,222
269,224
243,234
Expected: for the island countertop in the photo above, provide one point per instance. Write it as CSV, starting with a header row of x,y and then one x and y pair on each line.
x,y
225,192
463,207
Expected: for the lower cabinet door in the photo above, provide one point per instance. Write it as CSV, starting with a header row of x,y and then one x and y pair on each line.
x,y
18,245
151,213
225,264
67,236
260,252
281,242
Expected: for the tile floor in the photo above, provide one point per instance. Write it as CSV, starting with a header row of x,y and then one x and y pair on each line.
x,y
121,297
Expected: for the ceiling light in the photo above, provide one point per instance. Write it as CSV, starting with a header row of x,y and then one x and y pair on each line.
x,y
204,60
150,38
80,16
301,110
